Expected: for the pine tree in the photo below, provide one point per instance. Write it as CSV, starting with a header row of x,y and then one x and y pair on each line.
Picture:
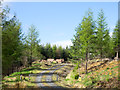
x,y
75,49
84,37
102,35
59,52
116,39
32,42
48,51
11,40
54,48
87,34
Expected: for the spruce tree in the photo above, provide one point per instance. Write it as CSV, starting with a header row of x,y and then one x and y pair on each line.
x,y
87,35
54,48
11,40
116,39
84,37
102,36
32,41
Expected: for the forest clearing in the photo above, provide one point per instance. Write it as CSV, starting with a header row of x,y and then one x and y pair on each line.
x,y
101,74
90,60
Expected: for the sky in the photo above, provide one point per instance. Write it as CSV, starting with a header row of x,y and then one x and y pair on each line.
x,y
56,21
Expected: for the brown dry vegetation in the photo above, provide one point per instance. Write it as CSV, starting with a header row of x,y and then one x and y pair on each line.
x,y
101,74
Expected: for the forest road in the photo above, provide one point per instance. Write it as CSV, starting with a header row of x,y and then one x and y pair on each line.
x,y
46,75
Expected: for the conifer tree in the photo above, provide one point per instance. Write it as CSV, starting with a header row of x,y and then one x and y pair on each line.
x,y
32,42
84,36
54,48
116,39
11,40
102,35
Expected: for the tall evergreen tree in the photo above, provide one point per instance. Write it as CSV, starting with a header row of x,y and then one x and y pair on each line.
x,y
11,40
87,34
32,42
76,48
84,36
102,35
116,39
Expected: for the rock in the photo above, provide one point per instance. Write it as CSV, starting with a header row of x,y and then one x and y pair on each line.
x,y
50,60
44,61
60,60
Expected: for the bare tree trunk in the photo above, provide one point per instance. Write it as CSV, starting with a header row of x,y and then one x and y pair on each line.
x,y
101,54
86,61
117,55
31,56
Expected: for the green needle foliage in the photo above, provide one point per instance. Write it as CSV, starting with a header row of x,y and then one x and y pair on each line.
x,y
116,39
102,36
11,41
92,39
32,42
83,41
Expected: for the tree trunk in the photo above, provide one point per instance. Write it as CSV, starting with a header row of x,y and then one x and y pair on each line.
x,y
31,56
12,68
86,61
101,54
78,68
117,55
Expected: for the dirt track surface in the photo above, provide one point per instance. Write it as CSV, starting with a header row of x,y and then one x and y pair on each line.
x,y
46,75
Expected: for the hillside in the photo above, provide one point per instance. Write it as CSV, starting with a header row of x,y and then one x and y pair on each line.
x,y
101,74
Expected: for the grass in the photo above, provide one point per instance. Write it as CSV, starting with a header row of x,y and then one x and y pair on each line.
x,y
14,79
62,73
98,73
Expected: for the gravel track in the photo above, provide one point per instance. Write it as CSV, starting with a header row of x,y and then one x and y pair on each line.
x,y
48,78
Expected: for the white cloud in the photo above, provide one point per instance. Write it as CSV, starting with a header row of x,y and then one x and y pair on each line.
x,y
62,43
111,30
110,34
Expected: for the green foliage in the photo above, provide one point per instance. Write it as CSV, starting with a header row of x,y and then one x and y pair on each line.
x,y
11,41
74,73
54,52
18,78
102,36
84,38
67,79
116,38
54,62
77,66
48,51
76,76
54,48
15,73
32,42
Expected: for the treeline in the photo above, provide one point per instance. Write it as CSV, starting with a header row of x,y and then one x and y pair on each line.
x,y
92,39
20,50
54,52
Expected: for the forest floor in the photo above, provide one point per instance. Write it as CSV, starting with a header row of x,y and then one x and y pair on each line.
x,y
101,74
